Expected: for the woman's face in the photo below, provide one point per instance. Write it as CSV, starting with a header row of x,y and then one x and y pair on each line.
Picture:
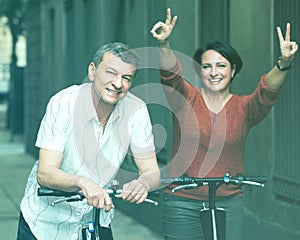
x,y
216,71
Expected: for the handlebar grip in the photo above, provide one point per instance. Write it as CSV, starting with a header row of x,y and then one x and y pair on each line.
x,y
256,179
57,193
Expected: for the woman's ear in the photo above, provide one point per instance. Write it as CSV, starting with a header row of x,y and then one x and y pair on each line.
x,y
91,71
233,70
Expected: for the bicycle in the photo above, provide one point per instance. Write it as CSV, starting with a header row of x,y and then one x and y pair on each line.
x,y
92,229
213,219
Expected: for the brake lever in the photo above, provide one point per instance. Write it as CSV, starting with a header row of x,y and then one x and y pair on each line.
x,y
186,186
77,197
253,183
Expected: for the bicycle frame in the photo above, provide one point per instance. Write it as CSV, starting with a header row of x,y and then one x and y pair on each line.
x,y
92,230
93,227
213,219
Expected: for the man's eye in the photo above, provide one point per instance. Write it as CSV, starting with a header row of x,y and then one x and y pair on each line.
x,y
127,79
111,73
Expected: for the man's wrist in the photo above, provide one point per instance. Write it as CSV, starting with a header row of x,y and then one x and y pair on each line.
x,y
145,184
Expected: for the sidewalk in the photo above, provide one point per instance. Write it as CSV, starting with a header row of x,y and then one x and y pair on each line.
x,y
15,166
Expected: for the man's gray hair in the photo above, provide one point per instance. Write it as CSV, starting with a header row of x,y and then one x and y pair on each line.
x,y
120,50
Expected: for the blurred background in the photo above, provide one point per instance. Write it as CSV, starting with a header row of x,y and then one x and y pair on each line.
x,y
46,45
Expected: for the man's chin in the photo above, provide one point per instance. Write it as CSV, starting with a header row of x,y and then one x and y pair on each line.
x,y
111,100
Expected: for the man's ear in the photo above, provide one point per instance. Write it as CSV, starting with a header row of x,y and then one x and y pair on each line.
x,y
91,71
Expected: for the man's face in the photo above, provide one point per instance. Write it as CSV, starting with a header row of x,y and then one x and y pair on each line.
x,y
111,79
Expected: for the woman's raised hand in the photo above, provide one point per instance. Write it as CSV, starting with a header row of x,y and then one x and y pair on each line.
x,y
162,31
288,48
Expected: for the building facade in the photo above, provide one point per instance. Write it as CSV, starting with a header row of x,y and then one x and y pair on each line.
x,y
63,35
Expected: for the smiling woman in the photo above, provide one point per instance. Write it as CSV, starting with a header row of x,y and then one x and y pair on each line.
x,y
224,120
217,64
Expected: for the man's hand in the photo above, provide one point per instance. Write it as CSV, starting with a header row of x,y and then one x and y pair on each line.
x,y
95,195
134,191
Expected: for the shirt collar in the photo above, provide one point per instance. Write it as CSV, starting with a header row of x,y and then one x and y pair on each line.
x,y
88,105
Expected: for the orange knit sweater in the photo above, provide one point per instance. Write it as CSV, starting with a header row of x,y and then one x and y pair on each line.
x,y
206,144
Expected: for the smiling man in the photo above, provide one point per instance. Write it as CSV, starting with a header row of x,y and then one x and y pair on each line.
x,y
83,139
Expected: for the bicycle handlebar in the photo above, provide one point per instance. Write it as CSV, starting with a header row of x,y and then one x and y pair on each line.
x,y
56,193
78,196
187,182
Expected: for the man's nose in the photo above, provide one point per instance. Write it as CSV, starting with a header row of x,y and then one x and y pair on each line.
x,y
117,82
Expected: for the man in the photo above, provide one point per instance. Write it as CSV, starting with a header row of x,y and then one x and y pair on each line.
x,y
83,138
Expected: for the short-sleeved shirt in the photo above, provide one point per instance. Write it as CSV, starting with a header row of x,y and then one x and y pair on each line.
x,y
70,125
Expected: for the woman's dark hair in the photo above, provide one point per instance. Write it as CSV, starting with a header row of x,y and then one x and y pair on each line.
x,y
225,50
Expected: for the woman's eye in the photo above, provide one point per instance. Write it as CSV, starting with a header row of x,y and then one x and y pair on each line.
x,y
222,66
206,66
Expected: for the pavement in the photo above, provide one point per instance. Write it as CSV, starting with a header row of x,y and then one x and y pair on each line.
x,y
15,166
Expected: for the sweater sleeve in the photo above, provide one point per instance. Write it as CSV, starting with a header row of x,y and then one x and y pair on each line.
x,y
177,89
260,102
172,76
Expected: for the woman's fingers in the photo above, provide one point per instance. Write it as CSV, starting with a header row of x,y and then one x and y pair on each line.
x,y
155,30
294,48
168,17
162,30
288,48
288,32
280,36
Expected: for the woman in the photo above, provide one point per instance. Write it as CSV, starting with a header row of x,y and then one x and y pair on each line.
x,y
223,121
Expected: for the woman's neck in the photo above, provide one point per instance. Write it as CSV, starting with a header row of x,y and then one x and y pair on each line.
x,y
215,101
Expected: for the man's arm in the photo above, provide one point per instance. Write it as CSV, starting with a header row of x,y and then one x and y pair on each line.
x,y
149,171
149,179
51,176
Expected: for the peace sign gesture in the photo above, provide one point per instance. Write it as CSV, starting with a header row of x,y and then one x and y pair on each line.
x,y
288,48
162,31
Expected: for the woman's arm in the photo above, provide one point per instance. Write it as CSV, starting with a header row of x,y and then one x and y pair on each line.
x,y
276,76
161,32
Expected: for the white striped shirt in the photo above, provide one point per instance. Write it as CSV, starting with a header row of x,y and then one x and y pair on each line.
x,y
71,126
